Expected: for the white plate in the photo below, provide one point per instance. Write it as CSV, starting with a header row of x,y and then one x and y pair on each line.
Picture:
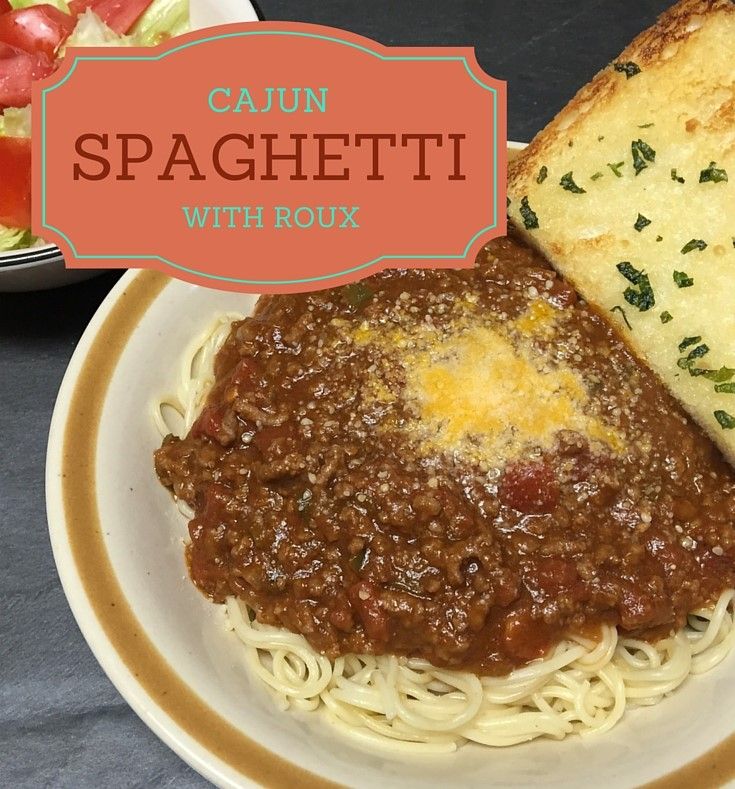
x,y
164,646
42,267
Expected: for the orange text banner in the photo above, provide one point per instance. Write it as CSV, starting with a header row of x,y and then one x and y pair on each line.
x,y
270,157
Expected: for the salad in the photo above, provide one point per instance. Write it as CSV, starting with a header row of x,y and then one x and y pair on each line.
x,y
33,39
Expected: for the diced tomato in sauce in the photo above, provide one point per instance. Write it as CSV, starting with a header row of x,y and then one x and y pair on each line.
x,y
530,487
39,29
547,577
267,436
118,15
244,374
363,597
525,638
217,419
215,497
15,182
668,555
639,609
209,422
555,574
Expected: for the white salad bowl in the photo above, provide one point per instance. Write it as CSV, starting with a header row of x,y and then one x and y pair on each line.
x,y
42,267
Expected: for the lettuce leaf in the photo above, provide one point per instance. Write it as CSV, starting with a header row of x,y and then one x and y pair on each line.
x,y
15,122
91,31
60,4
162,20
14,238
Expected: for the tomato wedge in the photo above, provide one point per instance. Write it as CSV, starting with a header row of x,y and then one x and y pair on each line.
x,y
118,15
5,6
41,28
15,191
18,69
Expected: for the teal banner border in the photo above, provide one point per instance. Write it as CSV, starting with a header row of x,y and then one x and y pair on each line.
x,y
241,34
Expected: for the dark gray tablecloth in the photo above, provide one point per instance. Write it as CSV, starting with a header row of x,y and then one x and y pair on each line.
x,y
62,724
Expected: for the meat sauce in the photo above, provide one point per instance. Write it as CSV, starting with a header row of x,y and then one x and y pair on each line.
x,y
371,471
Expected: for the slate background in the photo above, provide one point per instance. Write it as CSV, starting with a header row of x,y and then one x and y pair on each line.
x,y
62,724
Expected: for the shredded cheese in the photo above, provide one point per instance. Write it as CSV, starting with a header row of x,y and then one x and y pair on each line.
x,y
483,390
482,396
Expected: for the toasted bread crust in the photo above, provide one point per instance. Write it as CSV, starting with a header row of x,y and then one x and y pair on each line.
x,y
597,202
649,47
